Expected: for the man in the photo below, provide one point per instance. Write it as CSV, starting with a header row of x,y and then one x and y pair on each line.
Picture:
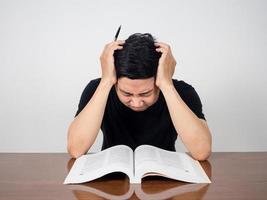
x,y
137,102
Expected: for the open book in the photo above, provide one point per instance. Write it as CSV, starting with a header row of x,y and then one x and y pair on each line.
x,y
145,161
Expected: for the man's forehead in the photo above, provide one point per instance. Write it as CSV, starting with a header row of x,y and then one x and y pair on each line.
x,y
136,85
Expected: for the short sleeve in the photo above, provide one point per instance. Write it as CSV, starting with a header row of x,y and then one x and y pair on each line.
x,y
191,98
87,94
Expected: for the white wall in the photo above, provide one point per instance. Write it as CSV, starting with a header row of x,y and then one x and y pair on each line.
x,y
49,50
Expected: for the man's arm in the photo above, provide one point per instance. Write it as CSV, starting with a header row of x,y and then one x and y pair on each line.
x,y
193,131
83,130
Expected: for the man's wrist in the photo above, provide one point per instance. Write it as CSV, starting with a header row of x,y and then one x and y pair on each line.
x,y
106,83
166,86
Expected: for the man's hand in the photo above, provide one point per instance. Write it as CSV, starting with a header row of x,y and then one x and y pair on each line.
x,y
166,65
107,61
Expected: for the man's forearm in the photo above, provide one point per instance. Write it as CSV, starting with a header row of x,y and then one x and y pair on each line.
x,y
193,131
85,127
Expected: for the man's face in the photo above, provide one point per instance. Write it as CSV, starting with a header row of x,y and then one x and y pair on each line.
x,y
137,94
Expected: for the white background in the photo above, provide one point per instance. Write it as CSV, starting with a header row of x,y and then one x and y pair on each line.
x,y
49,50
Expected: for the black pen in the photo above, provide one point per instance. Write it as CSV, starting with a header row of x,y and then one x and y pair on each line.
x,y
117,34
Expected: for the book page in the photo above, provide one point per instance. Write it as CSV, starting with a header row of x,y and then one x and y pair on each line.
x,y
91,166
150,160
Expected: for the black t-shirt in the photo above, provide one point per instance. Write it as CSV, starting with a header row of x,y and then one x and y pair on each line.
x,y
153,126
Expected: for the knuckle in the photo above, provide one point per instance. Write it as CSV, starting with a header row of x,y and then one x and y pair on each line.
x,y
108,45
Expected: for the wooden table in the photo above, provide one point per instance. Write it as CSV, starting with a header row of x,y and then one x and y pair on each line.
x,y
26,176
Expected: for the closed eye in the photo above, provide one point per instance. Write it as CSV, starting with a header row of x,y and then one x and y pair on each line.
x,y
146,94
126,94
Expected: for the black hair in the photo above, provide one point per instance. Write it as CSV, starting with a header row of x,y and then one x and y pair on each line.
x,y
138,59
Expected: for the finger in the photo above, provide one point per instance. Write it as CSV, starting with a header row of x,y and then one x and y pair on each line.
x,y
116,44
114,48
161,49
120,41
156,44
164,45
119,47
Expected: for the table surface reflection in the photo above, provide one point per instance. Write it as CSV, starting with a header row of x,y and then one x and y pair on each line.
x,y
41,175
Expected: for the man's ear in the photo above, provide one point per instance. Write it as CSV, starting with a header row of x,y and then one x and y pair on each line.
x,y
157,90
155,78
116,86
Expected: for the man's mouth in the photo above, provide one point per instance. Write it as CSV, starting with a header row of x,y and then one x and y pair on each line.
x,y
138,109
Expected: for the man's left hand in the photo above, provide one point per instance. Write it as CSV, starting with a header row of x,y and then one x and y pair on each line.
x,y
166,65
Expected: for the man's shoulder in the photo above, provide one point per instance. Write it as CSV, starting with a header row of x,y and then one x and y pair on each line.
x,y
185,90
90,88
189,96
181,85
95,81
93,84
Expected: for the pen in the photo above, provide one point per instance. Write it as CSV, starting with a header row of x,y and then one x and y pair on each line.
x,y
117,34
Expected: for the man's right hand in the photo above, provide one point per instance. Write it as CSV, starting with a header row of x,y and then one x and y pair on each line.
x,y
107,61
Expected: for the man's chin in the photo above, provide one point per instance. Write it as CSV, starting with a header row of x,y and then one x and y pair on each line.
x,y
139,109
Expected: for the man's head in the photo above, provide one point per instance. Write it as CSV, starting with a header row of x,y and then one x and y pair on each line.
x,y
138,59
136,67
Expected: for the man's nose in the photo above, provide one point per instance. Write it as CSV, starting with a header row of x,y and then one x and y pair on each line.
x,y
136,102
